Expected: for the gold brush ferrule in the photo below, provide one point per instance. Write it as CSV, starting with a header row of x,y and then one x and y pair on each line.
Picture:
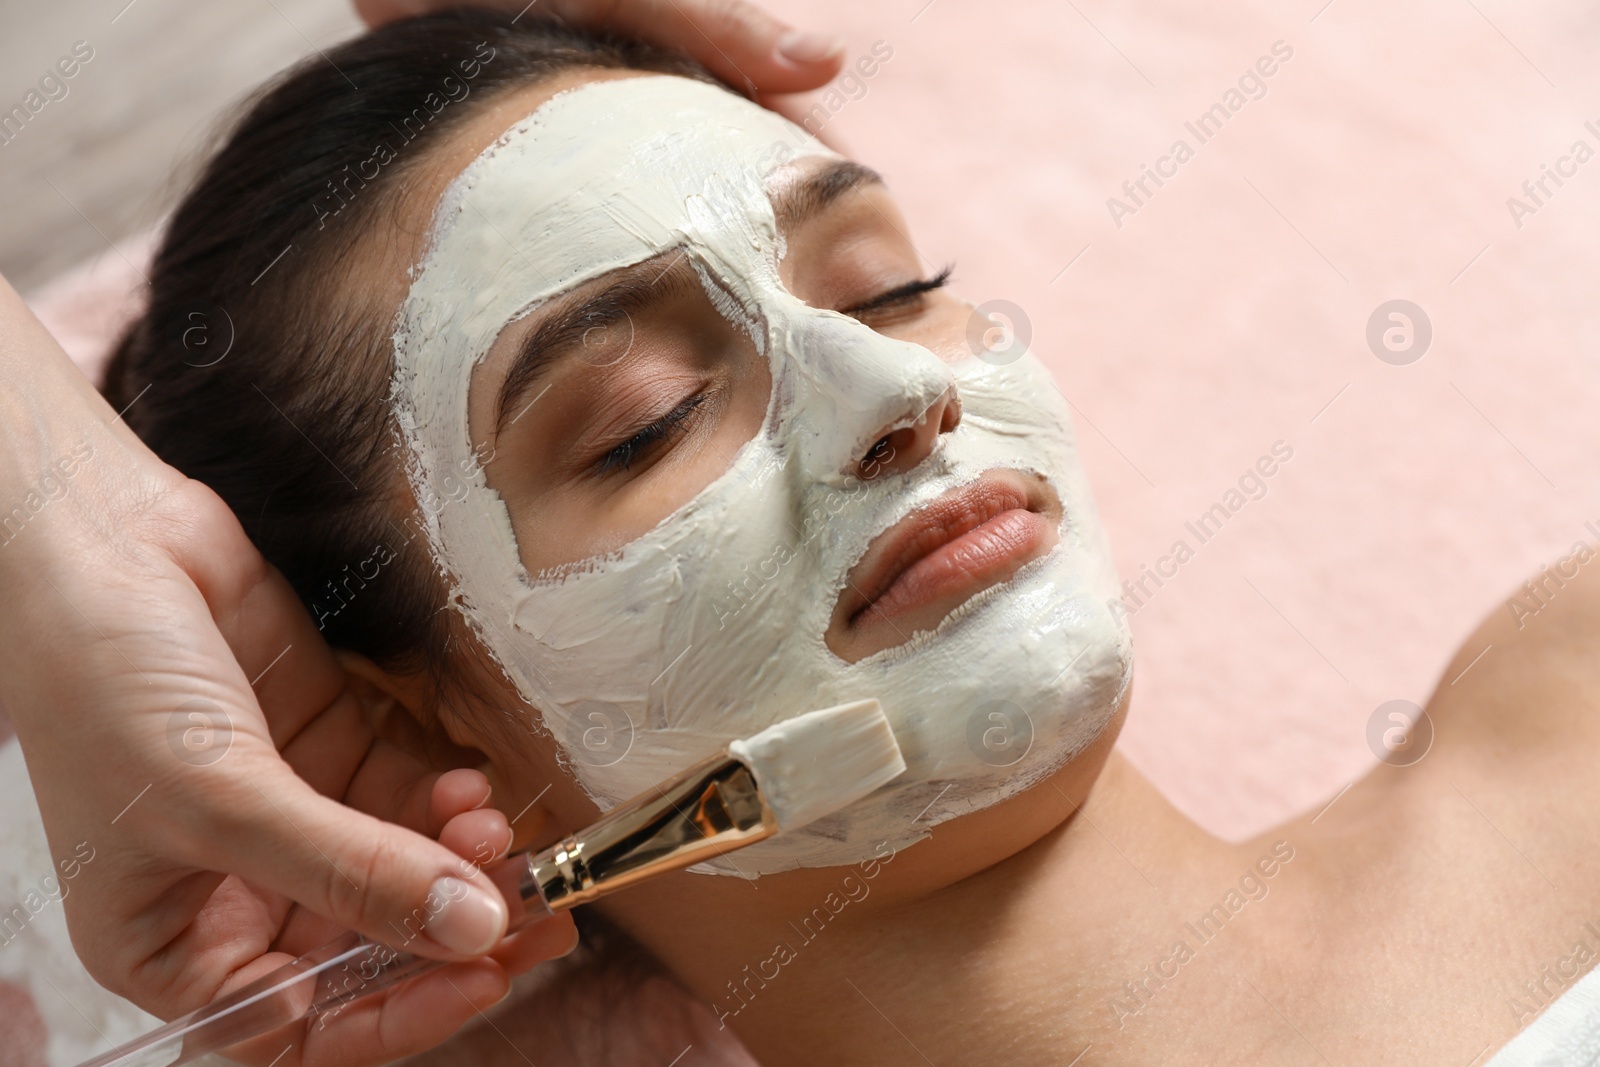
x,y
711,807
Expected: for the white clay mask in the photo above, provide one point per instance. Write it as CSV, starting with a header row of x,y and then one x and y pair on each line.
x,y
711,626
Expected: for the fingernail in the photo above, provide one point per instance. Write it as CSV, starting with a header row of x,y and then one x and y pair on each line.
x,y
806,48
573,947
469,920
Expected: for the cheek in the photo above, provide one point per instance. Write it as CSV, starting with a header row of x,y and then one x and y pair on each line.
x,y
608,524
747,411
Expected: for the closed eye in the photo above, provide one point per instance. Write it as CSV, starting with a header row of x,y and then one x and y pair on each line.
x,y
645,440
901,296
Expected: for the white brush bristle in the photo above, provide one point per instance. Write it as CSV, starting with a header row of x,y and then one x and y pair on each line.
x,y
814,764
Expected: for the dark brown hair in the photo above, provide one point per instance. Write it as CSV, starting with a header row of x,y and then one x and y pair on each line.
x,y
261,369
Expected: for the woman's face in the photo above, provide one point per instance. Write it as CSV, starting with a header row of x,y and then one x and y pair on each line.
x,y
703,444
641,391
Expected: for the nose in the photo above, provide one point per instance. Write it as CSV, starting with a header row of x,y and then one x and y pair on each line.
x,y
902,448
857,402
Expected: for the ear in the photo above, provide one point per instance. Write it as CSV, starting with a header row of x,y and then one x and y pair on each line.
x,y
400,709
403,710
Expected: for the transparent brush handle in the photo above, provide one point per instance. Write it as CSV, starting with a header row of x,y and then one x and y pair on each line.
x,y
317,984
315,987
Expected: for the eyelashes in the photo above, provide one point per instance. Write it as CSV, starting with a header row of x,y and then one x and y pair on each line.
x,y
674,422
647,440
900,296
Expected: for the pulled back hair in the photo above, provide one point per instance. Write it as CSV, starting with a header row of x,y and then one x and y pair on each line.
x,y
260,368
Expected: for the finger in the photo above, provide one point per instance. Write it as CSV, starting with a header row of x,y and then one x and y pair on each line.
x,y
547,939
378,12
393,786
339,756
336,747
457,791
736,41
355,1032
410,1018
480,836
383,880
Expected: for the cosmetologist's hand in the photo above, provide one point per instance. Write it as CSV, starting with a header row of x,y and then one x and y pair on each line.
x,y
154,666
735,40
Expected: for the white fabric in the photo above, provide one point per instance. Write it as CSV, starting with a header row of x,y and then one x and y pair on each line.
x,y
81,1018
1566,1035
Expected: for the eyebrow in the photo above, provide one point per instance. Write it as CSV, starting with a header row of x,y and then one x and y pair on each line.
x,y
647,284
808,197
561,334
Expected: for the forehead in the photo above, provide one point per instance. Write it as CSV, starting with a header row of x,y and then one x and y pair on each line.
x,y
608,172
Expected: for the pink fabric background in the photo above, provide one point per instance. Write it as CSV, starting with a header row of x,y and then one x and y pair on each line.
x,y
1229,311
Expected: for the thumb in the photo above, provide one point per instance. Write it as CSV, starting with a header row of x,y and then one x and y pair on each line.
x,y
736,40
384,881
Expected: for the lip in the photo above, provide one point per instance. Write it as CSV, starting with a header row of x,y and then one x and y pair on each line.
x,y
937,558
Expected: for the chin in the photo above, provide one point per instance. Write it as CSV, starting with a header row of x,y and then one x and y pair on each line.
x,y
1009,690
982,840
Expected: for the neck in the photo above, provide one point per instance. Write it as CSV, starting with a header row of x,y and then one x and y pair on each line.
x,y
1096,933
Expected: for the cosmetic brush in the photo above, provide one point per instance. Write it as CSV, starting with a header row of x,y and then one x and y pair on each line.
x,y
782,778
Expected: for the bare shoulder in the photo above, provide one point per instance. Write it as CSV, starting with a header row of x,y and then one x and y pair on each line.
x,y
1527,682
1489,838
